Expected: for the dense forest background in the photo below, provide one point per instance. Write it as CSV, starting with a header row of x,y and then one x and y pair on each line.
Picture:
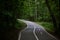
x,y
33,10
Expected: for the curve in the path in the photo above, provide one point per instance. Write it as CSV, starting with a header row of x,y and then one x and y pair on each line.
x,y
34,31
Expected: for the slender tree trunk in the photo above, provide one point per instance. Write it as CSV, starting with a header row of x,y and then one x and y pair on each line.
x,y
52,15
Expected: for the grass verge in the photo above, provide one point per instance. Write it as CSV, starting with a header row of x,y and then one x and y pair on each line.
x,y
48,26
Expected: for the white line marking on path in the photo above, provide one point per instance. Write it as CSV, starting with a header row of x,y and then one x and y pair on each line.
x,y
19,36
45,31
35,34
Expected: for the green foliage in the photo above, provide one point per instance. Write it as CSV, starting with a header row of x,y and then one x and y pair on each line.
x,y
27,9
9,10
47,25
53,7
20,25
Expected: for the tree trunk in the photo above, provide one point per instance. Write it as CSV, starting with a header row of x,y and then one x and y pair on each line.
x,y
52,15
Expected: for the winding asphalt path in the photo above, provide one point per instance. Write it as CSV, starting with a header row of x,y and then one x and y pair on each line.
x,y
34,31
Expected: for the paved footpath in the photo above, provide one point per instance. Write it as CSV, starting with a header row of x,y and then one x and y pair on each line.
x,y
34,31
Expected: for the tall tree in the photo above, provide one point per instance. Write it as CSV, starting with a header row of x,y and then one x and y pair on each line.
x,y
52,9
